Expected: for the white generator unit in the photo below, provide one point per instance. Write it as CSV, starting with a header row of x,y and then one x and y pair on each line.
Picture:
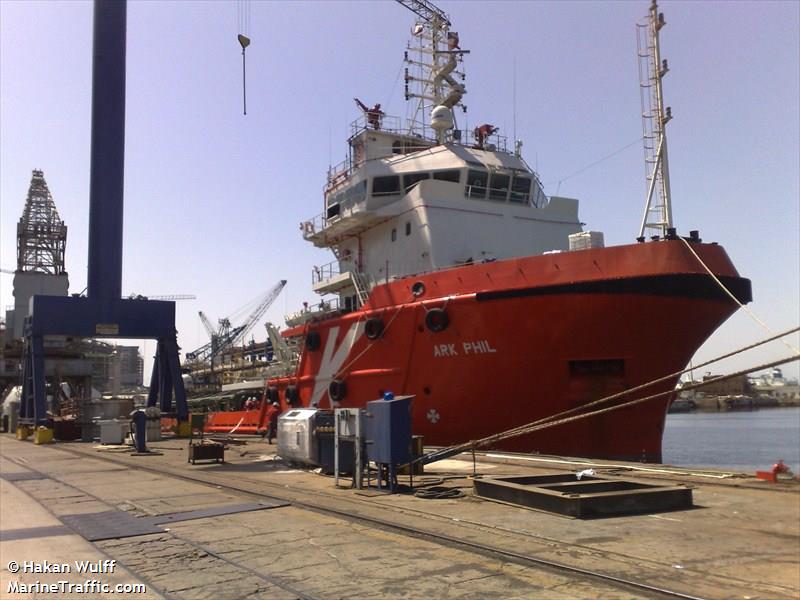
x,y
296,440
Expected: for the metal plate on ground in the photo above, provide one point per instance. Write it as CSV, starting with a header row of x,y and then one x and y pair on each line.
x,y
216,511
28,533
23,476
109,525
587,498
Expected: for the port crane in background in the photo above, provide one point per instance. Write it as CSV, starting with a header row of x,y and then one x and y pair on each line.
x,y
226,335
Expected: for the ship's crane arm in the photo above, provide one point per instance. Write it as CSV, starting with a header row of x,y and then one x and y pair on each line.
x,y
427,11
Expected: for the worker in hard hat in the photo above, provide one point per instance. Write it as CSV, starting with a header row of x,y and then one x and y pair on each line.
x,y
273,412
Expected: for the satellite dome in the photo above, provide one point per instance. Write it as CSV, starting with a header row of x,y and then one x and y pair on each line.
x,y
441,118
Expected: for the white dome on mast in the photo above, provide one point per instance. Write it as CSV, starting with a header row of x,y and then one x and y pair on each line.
x,y
442,118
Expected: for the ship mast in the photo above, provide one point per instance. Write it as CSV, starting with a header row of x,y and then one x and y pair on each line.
x,y
657,216
434,70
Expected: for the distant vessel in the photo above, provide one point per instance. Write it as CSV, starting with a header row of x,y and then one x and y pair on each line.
x,y
458,280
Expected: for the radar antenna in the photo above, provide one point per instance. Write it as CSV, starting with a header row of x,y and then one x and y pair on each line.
x,y
657,216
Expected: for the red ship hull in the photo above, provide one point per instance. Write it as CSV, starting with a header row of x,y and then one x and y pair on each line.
x,y
526,339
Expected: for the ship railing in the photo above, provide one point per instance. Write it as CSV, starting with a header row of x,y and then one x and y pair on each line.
x,y
423,131
493,143
314,225
391,124
324,307
338,174
321,273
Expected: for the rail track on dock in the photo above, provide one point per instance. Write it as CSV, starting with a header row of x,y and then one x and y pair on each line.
x,y
354,509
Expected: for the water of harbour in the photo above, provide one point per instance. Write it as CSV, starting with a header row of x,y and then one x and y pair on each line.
x,y
737,440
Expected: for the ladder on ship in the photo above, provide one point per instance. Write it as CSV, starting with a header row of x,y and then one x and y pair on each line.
x,y
361,285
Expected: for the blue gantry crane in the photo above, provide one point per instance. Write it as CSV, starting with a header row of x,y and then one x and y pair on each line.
x,y
103,312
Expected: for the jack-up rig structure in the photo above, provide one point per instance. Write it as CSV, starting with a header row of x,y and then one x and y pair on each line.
x,y
75,368
41,234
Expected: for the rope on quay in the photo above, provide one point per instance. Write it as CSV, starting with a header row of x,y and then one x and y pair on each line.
x,y
562,418
750,313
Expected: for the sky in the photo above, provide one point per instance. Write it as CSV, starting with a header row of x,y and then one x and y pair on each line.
x,y
213,198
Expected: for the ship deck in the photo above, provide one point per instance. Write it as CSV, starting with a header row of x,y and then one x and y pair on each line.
x,y
310,539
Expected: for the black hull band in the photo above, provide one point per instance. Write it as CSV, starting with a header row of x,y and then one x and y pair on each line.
x,y
688,285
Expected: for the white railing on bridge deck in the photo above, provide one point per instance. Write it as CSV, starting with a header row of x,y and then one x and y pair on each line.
x,y
313,226
321,273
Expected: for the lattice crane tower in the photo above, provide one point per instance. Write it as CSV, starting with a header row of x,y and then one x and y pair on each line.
x,y
41,234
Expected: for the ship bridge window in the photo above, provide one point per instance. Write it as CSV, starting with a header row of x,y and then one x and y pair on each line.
x,y
476,184
411,179
453,175
498,188
386,186
348,197
356,193
520,189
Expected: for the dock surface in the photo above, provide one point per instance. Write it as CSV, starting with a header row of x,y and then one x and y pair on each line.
x,y
255,527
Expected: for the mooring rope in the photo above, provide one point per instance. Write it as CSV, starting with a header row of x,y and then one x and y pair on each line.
x,y
561,419
627,392
734,298
668,377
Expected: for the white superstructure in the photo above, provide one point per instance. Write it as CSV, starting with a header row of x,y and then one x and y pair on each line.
x,y
424,195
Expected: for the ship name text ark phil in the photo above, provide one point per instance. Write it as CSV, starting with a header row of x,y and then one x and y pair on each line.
x,y
479,347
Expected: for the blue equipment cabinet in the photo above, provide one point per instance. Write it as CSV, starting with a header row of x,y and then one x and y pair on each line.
x,y
388,439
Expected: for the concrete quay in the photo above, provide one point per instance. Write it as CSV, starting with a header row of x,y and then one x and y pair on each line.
x,y
312,540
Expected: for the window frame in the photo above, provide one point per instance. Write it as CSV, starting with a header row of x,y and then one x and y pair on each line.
x,y
388,192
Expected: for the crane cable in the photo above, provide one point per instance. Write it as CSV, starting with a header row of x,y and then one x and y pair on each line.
x,y
750,313
243,12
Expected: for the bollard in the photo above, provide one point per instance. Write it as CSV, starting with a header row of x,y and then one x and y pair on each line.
x,y
139,430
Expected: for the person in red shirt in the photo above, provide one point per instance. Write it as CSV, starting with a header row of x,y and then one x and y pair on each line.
x,y
374,115
272,421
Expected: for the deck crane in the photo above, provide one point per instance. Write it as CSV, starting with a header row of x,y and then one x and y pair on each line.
x,y
427,11
227,336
